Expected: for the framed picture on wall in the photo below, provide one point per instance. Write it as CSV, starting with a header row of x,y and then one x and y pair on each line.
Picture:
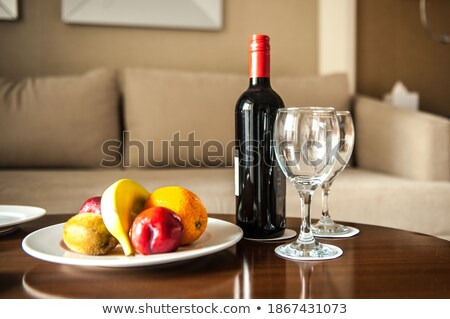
x,y
176,14
9,10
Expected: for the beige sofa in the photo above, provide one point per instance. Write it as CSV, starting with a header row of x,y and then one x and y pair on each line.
x,y
64,139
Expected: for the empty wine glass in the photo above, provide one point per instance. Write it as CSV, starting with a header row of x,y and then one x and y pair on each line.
x,y
326,227
305,140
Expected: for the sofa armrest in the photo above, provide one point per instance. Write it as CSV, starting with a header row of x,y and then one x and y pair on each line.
x,y
400,142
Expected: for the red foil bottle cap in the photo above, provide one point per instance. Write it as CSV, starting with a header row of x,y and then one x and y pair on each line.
x,y
259,42
259,56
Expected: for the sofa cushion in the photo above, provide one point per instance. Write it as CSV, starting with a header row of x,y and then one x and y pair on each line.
x,y
58,121
179,113
186,119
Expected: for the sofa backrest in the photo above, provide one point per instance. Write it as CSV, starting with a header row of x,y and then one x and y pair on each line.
x,y
170,118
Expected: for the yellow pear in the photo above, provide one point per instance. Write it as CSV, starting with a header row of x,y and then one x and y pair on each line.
x,y
120,204
86,234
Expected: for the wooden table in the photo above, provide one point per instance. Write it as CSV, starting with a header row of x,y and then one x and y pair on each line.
x,y
378,263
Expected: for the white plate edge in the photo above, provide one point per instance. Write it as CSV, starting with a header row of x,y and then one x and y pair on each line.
x,y
40,212
122,263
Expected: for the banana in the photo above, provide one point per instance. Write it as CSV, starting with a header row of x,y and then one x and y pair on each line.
x,y
120,203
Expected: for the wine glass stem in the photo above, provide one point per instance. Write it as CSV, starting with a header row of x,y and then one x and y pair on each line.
x,y
305,237
325,200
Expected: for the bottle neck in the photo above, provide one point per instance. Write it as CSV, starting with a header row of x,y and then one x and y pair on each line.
x,y
259,82
259,69
259,64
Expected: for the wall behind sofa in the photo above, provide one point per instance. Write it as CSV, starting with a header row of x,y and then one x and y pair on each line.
x,y
40,43
392,45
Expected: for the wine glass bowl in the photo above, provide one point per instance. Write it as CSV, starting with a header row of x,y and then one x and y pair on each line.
x,y
326,227
305,140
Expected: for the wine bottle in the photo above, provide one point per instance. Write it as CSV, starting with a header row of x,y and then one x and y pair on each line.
x,y
260,185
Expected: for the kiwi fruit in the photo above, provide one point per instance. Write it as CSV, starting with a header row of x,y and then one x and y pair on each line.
x,y
87,234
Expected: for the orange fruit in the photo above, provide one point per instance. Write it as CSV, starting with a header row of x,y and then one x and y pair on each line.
x,y
186,205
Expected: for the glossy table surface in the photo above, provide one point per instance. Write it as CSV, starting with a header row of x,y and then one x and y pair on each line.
x,y
378,263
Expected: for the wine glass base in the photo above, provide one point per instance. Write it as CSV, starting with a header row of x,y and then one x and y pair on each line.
x,y
335,232
322,252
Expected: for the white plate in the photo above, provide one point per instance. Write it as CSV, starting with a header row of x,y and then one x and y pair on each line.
x,y
46,244
11,215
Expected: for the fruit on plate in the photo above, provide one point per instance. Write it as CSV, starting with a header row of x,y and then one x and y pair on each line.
x,y
156,230
186,205
91,205
120,203
87,234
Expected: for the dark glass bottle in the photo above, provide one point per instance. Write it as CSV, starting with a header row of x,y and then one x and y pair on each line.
x,y
260,185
